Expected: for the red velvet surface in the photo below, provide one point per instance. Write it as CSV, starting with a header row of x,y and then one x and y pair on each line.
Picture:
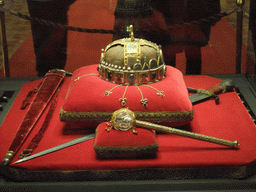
x,y
228,120
88,94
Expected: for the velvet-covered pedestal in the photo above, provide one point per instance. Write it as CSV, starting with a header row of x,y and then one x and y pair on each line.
x,y
115,144
177,157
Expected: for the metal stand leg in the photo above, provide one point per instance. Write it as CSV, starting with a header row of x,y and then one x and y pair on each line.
x,y
4,41
239,33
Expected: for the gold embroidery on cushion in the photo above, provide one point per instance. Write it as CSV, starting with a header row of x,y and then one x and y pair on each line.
x,y
85,76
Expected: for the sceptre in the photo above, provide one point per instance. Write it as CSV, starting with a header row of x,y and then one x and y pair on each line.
x,y
125,120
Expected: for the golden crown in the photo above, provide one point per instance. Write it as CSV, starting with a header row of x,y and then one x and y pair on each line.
x,y
132,61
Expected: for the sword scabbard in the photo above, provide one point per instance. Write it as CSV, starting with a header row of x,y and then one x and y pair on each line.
x,y
46,91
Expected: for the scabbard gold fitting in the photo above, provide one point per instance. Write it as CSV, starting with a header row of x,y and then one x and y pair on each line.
x,y
8,157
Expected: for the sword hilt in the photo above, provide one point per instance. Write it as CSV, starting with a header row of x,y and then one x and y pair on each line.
x,y
226,85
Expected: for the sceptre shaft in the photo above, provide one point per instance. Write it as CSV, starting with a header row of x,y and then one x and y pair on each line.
x,y
197,136
125,120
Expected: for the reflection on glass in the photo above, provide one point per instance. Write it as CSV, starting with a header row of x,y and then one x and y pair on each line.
x,y
206,47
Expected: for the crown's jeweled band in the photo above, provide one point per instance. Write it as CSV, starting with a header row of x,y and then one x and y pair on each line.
x,y
131,76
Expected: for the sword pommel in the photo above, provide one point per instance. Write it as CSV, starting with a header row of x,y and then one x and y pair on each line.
x,y
228,85
8,157
224,86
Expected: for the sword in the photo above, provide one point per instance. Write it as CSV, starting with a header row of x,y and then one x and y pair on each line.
x,y
202,95
56,148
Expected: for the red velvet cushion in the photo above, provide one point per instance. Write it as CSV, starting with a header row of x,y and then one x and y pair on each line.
x,y
86,100
124,144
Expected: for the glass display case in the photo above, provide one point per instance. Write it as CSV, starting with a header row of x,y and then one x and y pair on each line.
x,y
218,30
207,41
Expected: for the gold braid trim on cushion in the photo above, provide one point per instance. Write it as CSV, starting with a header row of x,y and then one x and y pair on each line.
x,y
153,117
126,152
